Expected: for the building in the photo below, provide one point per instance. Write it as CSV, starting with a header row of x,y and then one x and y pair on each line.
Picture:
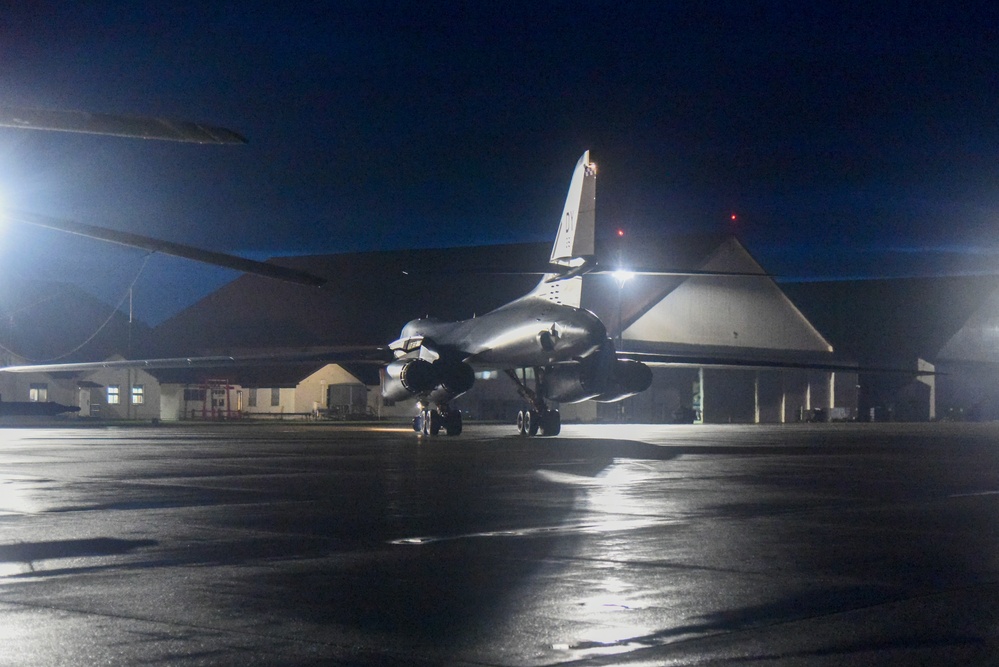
x,y
373,294
934,322
941,323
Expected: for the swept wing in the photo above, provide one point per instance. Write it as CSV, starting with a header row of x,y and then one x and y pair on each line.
x,y
139,127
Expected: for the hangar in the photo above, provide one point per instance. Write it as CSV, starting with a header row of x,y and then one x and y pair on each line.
x,y
372,294
947,324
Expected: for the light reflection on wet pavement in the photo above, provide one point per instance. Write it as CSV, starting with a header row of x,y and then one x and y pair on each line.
x,y
316,544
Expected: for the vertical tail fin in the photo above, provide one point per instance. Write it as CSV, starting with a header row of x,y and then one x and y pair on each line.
x,y
575,240
574,244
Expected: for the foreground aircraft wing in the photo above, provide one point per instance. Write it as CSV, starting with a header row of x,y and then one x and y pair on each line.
x,y
735,363
682,273
561,273
139,127
166,247
353,354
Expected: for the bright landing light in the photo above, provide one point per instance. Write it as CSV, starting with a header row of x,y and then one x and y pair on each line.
x,y
622,276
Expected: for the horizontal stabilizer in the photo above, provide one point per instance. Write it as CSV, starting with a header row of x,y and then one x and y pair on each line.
x,y
139,127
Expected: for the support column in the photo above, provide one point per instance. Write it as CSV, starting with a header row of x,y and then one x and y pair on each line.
x,y
697,402
931,382
783,399
756,397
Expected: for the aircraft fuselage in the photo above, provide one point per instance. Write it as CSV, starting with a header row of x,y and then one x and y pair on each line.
x,y
528,332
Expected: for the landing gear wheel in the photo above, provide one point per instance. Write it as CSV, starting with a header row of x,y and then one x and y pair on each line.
x,y
528,422
432,425
551,423
533,422
452,422
428,422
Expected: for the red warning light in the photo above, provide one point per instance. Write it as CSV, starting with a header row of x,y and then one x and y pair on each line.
x,y
620,232
734,217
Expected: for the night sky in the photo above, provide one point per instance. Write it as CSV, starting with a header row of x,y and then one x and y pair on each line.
x,y
848,138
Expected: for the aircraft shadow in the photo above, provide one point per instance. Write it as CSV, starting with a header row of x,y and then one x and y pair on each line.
x,y
29,554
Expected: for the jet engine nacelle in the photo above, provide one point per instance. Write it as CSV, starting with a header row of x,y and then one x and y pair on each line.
x,y
603,382
627,378
454,377
570,383
405,378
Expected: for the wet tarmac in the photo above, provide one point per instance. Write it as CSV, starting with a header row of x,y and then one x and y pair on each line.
x,y
285,544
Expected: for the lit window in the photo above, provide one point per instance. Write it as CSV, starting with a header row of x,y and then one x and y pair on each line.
x,y
275,396
39,392
114,394
138,394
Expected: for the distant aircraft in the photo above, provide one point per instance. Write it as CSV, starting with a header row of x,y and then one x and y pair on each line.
x,y
567,347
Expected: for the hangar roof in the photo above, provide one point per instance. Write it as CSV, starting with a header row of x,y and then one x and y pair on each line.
x,y
371,295
894,321
734,314
978,339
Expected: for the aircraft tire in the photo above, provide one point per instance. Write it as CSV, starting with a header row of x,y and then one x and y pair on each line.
x,y
534,424
551,423
433,422
453,423
523,422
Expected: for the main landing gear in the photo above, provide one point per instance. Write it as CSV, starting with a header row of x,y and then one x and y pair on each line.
x,y
533,422
539,419
430,421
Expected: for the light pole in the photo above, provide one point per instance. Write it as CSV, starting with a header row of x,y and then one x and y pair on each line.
x,y
622,276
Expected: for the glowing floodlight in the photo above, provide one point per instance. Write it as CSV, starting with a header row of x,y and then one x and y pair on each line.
x,y
622,276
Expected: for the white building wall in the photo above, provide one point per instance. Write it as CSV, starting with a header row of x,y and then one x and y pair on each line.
x,y
311,393
739,312
264,403
17,387
126,408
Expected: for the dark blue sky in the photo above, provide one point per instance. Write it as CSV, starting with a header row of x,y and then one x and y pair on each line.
x,y
849,139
